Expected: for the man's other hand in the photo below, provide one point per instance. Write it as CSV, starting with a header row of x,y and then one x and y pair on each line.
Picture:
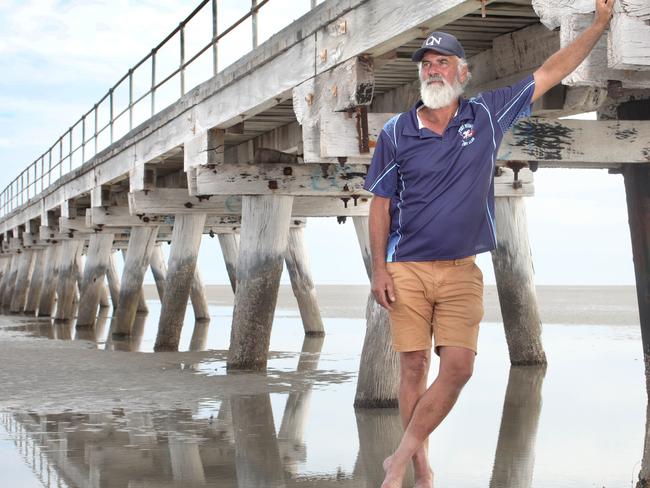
x,y
382,288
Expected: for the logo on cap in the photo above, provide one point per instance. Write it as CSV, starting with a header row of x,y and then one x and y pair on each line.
x,y
433,40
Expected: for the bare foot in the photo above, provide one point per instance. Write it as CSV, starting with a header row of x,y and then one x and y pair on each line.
x,y
392,480
424,481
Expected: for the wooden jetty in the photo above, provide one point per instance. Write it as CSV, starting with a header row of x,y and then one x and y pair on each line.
x,y
286,133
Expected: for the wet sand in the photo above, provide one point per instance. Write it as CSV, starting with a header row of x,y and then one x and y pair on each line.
x,y
93,412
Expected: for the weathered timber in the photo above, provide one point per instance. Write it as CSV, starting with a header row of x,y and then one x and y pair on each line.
x,y
198,298
271,179
142,302
637,191
513,269
302,284
138,255
183,254
628,40
104,302
23,279
199,339
99,251
67,279
155,205
264,233
36,283
338,89
557,143
629,37
230,248
378,383
515,455
159,269
286,138
551,12
50,279
113,279
594,70
6,270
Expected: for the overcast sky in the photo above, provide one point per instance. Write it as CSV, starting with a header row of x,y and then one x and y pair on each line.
x,y
59,57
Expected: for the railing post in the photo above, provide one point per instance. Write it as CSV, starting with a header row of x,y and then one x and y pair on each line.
x,y
70,148
96,133
182,66
110,114
254,19
130,99
83,140
49,168
60,156
215,52
153,82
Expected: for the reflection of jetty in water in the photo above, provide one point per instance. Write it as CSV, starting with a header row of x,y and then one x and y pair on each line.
x,y
233,443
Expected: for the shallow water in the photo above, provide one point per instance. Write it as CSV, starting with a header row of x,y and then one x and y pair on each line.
x,y
578,423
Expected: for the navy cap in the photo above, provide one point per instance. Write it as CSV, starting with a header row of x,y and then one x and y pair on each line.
x,y
442,43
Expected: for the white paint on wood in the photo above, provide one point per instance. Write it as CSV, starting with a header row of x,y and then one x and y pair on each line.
x,y
46,302
629,39
514,272
378,382
230,248
183,254
198,298
159,269
36,284
594,70
113,279
264,233
23,279
297,180
99,251
138,254
551,12
154,206
67,279
302,284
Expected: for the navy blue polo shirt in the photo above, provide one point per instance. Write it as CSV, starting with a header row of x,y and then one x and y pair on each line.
x,y
442,186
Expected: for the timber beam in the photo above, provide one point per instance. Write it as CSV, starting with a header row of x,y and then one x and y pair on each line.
x,y
174,201
552,143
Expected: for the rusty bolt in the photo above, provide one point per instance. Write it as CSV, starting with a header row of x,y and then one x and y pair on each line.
x,y
188,205
273,185
287,171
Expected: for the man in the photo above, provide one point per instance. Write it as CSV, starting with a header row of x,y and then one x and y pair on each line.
x,y
432,212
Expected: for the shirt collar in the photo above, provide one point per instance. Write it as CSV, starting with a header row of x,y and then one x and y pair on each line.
x,y
416,129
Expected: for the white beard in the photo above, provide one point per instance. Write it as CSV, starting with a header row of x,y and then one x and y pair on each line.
x,y
435,95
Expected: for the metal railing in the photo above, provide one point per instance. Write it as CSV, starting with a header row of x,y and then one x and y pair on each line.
x,y
82,141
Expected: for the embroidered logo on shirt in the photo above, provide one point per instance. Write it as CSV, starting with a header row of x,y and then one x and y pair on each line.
x,y
467,133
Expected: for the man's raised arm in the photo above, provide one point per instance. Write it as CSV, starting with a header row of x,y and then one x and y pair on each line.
x,y
567,59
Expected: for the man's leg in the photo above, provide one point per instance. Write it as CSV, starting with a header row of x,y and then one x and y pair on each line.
x,y
414,368
456,366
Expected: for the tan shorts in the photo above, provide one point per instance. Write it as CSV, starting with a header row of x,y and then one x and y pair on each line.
x,y
443,298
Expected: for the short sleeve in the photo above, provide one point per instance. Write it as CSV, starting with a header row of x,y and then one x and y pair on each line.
x,y
510,103
382,175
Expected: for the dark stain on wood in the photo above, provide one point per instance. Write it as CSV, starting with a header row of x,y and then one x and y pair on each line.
x,y
625,134
543,140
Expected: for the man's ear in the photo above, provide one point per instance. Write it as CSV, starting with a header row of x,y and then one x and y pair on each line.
x,y
464,74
